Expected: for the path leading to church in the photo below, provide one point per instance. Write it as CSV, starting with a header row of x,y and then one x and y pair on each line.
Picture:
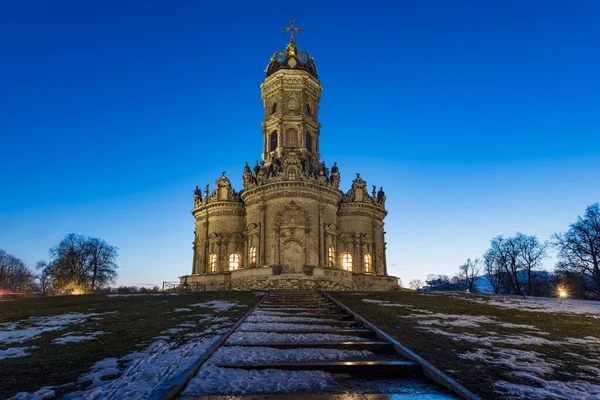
x,y
300,344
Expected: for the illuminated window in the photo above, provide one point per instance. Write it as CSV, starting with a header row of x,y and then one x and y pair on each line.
x,y
291,138
274,141
347,262
331,257
252,256
368,265
308,140
234,262
212,263
291,174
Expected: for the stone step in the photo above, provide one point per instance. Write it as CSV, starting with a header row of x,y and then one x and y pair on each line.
x,y
375,346
315,310
396,368
323,322
296,305
322,316
366,333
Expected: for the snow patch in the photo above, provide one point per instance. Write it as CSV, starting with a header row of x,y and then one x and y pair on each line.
x,y
14,352
268,337
280,327
72,338
33,327
238,355
218,305
211,380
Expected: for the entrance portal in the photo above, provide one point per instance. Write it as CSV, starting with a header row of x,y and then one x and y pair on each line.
x,y
293,257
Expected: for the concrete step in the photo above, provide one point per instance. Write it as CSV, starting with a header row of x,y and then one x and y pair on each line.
x,y
323,322
296,305
332,311
366,333
323,316
375,346
396,368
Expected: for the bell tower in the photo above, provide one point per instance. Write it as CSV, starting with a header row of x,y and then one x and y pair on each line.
x,y
291,93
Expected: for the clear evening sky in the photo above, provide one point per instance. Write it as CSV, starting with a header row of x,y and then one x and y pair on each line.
x,y
478,118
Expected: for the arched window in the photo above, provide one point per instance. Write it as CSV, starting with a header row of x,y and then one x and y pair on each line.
x,y
308,140
308,110
212,263
368,264
274,141
234,262
291,137
291,174
252,256
331,257
274,108
347,262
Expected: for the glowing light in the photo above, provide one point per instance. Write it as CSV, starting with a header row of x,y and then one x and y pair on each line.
x,y
562,293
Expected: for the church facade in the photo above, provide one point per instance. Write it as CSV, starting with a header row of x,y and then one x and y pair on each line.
x,y
291,227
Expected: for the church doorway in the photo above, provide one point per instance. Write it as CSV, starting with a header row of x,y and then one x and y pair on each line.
x,y
293,257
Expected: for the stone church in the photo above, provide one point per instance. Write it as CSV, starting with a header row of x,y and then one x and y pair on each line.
x,y
291,226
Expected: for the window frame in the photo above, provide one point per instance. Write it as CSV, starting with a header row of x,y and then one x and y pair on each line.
x,y
234,258
213,263
308,142
368,263
274,141
252,256
331,256
347,262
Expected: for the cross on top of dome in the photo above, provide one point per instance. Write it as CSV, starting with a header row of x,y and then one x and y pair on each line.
x,y
291,29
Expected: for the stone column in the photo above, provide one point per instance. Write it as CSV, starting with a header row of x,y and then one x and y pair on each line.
x,y
195,260
262,249
246,257
374,257
277,246
307,246
362,254
221,257
356,262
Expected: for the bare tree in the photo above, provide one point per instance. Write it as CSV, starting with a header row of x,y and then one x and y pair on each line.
x,y
469,272
81,263
14,274
415,284
102,258
579,248
512,257
503,255
531,254
494,273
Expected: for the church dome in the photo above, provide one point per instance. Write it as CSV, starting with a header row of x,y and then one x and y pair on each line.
x,y
292,59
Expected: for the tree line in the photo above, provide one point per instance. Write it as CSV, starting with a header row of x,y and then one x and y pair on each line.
x,y
77,265
513,265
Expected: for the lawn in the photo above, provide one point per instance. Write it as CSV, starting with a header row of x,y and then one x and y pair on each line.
x,y
496,346
78,344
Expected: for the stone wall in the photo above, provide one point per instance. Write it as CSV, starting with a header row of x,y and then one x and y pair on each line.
x,y
313,278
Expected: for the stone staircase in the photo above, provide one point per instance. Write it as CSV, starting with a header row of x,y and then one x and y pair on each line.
x,y
291,332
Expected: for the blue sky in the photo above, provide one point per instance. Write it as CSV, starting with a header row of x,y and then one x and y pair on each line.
x,y
478,118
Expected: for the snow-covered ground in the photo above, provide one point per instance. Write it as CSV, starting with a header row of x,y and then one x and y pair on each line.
x,y
539,304
74,338
271,337
139,374
31,328
531,366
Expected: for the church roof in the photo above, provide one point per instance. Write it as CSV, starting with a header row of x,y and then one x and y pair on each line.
x,y
292,58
